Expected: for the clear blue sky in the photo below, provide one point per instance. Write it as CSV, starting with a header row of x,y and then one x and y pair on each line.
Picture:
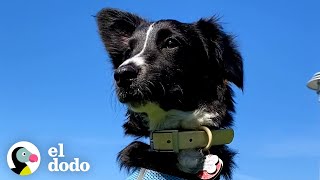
x,y
56,83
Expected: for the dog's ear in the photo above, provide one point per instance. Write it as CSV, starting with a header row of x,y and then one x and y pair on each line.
x,y
115,28
220,47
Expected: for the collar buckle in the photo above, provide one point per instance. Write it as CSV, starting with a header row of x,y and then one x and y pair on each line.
x,y
167,141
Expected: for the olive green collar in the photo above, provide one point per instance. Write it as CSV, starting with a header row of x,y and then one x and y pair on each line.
x,y
174,140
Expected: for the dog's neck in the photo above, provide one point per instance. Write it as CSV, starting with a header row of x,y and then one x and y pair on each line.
x,y
191,160
159,119
155,114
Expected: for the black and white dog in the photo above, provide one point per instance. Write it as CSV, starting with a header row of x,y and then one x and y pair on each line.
x,y
172,75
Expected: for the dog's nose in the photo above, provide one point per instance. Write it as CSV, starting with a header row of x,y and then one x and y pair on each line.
x,y
125,74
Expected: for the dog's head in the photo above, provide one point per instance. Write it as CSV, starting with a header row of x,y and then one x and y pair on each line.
x,y
173,64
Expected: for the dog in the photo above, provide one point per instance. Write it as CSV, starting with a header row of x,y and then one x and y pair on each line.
x,y
172,75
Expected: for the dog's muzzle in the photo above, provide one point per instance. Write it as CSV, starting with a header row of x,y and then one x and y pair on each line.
x,y
124,75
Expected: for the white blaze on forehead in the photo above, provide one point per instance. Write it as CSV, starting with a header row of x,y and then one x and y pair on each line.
x,y
137,59
146,40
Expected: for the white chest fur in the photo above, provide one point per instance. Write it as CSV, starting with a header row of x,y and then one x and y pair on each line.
x,y
160,119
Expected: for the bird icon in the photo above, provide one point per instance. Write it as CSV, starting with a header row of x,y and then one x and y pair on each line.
x,y
20,156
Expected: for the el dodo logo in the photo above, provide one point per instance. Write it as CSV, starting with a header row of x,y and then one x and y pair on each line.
x,y
23,158
57,165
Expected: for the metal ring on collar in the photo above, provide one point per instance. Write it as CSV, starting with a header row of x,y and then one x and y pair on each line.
x,y
209,133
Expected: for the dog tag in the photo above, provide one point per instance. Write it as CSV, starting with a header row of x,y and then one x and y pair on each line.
x,y
212,167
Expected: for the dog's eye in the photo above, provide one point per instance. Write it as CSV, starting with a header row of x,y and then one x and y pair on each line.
x,y
171,43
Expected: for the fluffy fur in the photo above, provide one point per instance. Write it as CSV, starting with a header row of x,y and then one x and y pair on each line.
x,y
171,75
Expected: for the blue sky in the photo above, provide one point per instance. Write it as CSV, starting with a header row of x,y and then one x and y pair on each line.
x,y
56,84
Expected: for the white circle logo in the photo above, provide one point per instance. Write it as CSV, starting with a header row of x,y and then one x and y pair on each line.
x,y
23,158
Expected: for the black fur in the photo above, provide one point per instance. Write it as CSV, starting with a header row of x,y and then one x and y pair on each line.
x,y
194,72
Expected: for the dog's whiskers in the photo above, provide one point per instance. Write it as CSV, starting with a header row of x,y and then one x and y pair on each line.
x,y
140,92
164,90
148,81
149,91
180,89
